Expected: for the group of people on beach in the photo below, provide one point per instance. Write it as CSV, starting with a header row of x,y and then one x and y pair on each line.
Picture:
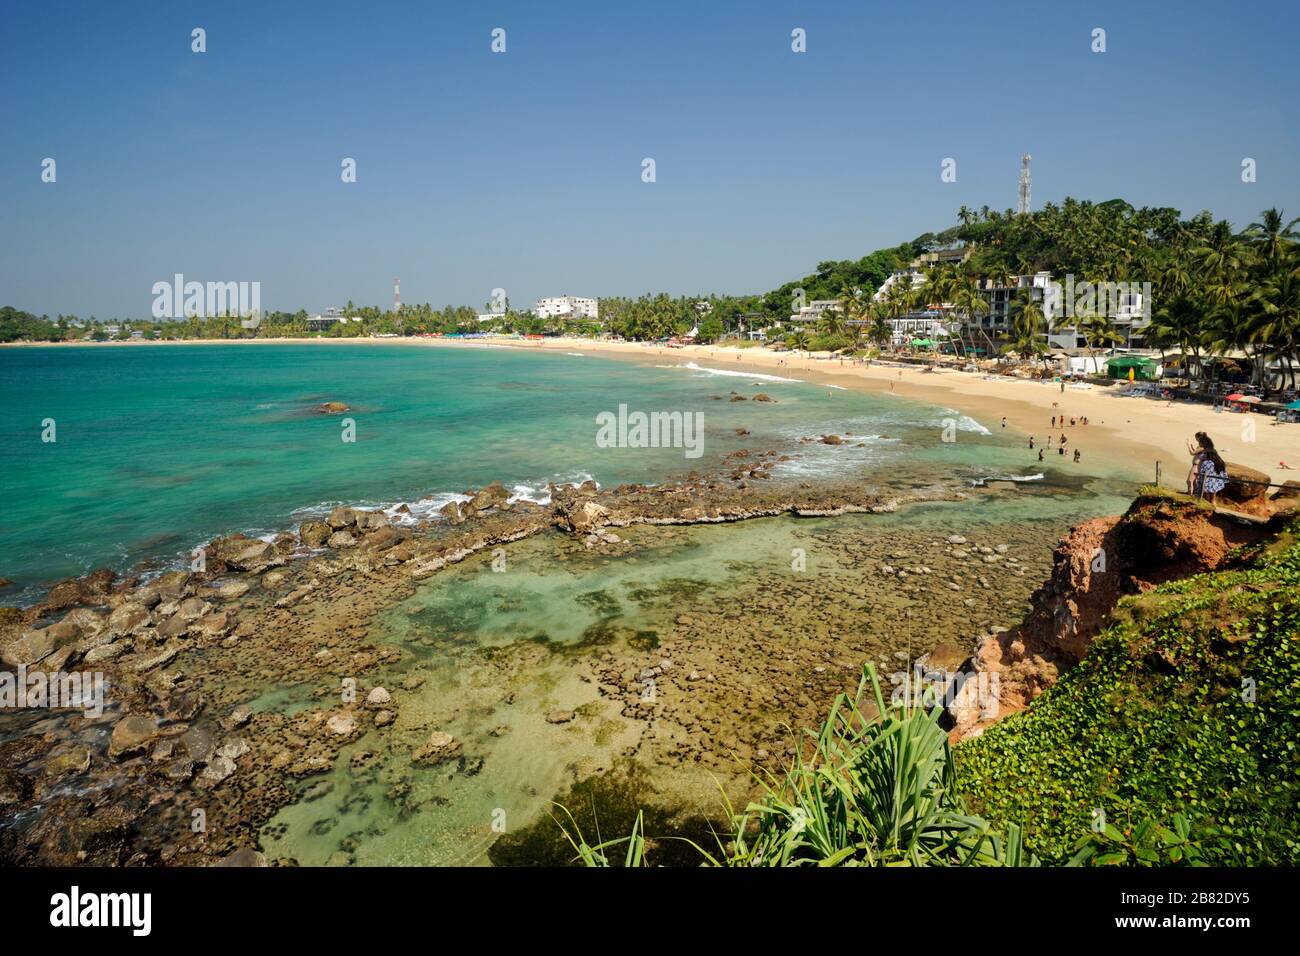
x,y
1058,421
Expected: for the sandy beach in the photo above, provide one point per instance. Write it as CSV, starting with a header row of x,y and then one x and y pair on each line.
x,y
1133,433
1137,432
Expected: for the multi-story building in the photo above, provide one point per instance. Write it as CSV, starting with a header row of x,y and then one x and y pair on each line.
x,y
322,322
567,306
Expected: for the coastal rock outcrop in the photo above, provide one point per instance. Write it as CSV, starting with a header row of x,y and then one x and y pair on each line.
x,y
1160,538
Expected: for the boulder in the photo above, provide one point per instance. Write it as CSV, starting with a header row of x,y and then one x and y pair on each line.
x,y
332,408
127,617
132,735
452,512
341,539
1246,485
341,518
314,534
341,725
491,496
32,646
583,518
378,698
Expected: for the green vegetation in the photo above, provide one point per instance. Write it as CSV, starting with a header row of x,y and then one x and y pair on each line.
x,y
1188,704
878,790
1215,291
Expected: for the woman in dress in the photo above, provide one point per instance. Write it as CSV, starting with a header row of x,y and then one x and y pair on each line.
x,y
1209,470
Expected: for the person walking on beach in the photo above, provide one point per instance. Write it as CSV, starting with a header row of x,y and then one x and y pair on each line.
x,y
1004,421
1053,421
1031,442
1076,456
1040,453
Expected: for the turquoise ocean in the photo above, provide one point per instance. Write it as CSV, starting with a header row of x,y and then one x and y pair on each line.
x,y
157,449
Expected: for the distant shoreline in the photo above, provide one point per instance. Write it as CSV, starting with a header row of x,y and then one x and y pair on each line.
x,y
1131,433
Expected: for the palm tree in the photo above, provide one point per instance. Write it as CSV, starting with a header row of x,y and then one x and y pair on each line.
x,y
1270,236
1097,329
1028,323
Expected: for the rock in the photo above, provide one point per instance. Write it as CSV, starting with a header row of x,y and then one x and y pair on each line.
x,y
244,856
440,746
132,735
174,626
233,749
105,652
452,512
341,539
341,725
332,408
191,609
31,647
88,623
237,717
956,539
583,518
314,534
213,625
273,579
127,617
73,760
198,743
491,496
163,655
373,520
230,590
341,518
383,718
1246,486
832,440
378,697
763,397
219,769
560,716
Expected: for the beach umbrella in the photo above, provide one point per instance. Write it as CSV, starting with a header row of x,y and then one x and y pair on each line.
x,y
1236,397
1249,398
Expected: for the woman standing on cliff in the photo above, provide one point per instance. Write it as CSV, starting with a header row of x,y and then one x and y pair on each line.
x,y
1209,473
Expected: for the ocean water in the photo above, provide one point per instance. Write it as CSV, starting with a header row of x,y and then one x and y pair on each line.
x,y
158,449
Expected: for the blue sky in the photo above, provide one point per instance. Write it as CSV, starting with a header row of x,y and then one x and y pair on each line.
x,y
523,170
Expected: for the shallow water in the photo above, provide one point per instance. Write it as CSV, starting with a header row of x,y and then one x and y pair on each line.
x,y
499,650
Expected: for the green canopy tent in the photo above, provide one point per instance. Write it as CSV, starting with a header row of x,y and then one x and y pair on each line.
x,y
1141,366
923,343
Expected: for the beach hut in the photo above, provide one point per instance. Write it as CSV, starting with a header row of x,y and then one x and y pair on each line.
x,y
1132,367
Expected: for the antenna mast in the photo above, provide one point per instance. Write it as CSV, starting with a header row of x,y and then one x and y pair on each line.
x,y
1024,184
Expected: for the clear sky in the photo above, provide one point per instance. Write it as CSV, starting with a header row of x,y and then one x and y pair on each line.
x,y
523,170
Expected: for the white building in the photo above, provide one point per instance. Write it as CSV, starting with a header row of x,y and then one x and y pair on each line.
x,y
319,323
898,278
566,306
811,313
